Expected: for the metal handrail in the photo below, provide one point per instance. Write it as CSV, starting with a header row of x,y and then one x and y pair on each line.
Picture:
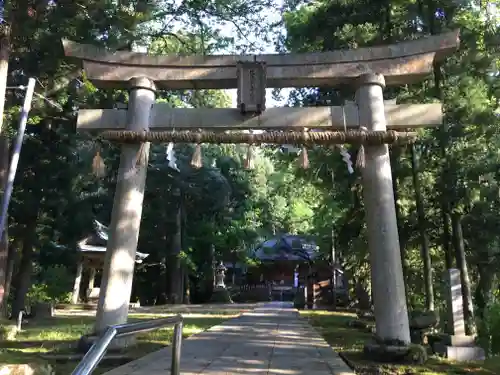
x,y
99,348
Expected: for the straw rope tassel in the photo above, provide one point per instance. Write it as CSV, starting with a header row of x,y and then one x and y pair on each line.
x,y
196,160
141,159
141,156
304,157
360,158
249,159
98,166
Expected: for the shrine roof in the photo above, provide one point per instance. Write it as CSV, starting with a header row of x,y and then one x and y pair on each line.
x,y
287,247
96,242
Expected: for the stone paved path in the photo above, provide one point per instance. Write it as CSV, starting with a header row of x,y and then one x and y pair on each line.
x,y
271,340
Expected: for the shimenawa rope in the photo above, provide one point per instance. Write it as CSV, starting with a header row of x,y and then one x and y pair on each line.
x,y
302,138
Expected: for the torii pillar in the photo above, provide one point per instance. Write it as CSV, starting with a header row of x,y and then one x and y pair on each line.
x,y
391,312
118,271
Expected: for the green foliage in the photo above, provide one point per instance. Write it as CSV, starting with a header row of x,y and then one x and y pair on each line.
x,y
489,328
57,282
38,293
54,285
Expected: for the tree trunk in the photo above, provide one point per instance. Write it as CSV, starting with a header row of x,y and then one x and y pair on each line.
x,y
458,242
445,179
362,294
485,285
4,240
23,277
174,262
4,149
11,261
430,27
333,256
483,297
209,273
4,68
181,283
422,226
234,256
186,298
445,217
163,283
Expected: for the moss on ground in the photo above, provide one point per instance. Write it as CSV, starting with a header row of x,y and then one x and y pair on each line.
x,y
349,341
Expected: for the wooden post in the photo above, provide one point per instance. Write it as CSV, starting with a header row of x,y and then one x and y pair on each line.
x,y
78,281
90,285
391,312
118,271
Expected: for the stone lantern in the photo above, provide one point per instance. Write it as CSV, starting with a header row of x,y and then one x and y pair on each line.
x,y
220,274
220,293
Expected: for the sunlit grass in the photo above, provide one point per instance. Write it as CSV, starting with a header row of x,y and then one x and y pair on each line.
x,y
349,341
66,327
60,334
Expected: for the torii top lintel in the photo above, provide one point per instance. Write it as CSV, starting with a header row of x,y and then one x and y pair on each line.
x,y
400,63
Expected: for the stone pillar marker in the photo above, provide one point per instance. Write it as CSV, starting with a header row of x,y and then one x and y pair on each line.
x,y
456,322
457,345
118,271
391,314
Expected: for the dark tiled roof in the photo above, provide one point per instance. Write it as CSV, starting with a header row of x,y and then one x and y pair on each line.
x,y
287,247
97,241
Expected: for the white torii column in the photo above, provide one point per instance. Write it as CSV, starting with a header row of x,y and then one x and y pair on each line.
x,y
118,271
391,314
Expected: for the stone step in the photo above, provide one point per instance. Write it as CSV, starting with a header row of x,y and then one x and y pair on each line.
x,y
460,341
461,353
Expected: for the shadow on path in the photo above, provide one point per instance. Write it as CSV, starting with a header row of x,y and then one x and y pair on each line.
x,y
271,339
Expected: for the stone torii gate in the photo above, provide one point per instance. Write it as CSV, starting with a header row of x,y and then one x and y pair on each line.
x,y
369,70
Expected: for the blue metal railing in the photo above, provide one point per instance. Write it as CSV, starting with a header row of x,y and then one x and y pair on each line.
x,y
99,348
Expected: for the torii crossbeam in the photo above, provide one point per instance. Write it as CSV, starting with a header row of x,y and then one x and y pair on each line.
x,y
400,64
369,70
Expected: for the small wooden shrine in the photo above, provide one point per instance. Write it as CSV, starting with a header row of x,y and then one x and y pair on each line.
x,y
282,259
290,261
92,251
